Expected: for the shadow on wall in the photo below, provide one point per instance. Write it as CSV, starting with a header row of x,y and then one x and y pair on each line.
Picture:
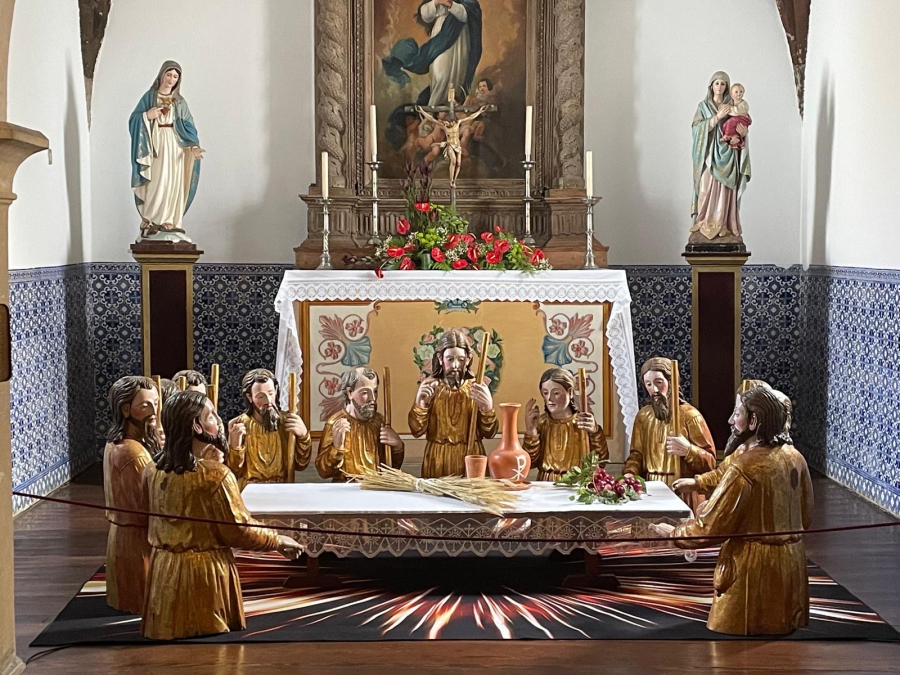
x,y
287,89
815,304
79,364
823,167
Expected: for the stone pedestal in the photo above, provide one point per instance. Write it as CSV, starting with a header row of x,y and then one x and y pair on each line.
x,y
716,334
167,305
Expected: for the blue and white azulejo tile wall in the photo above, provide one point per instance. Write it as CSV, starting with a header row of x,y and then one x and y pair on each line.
x,y
828,337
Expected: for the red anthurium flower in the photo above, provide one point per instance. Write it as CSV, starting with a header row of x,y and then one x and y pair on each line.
x,y
475,267
472,254
410,246
459,264
537,256
453,241
493,257
498,229
395,251
403,227
487,237
423,207
525,249
437,254
379,273
468,238
407,264
501,246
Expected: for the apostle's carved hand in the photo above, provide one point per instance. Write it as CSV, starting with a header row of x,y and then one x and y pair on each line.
x,y
677,445
532,417
154,113
482,397
390,437
685,485
662,529
289,548
236,432
294,425
586,421
426,392
339,432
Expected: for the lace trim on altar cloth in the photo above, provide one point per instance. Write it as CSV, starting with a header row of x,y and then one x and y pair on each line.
x,y
584,286
462,534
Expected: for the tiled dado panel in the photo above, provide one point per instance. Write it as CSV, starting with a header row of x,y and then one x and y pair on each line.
x,y
52,387
826,337
849,359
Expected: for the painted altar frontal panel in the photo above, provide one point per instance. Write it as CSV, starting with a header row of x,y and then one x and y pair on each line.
x,y
526,339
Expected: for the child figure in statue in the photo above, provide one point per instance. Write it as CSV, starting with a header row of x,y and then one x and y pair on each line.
x,y
559,437
193,586
737,115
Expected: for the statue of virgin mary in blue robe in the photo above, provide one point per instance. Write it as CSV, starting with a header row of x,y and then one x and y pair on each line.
x,y
165,159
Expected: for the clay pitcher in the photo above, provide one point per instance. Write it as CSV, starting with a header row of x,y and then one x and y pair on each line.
x,y
509,460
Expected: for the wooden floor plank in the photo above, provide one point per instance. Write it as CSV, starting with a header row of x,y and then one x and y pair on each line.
x,y
59,547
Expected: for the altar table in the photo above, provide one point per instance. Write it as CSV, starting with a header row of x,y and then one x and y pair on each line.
x,y
555,286
542,512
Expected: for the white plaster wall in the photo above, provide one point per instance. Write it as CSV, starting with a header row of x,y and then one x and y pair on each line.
x,y
851,151
50,222
248,79
648,63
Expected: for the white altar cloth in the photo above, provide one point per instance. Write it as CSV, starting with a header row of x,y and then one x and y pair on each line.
x,y
587,286
542,512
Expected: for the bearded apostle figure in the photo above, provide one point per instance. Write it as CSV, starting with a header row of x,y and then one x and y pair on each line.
x,y
259,441
193,586
356,440
761,583
707,482
132,442
659,452
444,405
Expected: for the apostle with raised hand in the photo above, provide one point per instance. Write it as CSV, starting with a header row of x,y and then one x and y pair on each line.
x,y
193,586
658,450
356,440
444,405
131,443
761,582
260,445
558,438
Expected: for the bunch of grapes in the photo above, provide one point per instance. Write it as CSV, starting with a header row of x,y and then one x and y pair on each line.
x,y
633,483
603,481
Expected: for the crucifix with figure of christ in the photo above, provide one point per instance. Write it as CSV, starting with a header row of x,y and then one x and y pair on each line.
x,y
454,133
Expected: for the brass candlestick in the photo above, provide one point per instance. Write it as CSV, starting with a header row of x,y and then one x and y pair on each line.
x,y
325,258
589,263
528,165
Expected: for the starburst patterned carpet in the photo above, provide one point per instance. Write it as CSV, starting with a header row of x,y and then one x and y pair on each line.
x,y
660,596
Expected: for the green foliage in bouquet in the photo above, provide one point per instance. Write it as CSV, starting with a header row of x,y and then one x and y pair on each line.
x,y
435,237
596,484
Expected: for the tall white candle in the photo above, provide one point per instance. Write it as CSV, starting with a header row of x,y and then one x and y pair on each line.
x,y
589,173
373,133
529,112
324,175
